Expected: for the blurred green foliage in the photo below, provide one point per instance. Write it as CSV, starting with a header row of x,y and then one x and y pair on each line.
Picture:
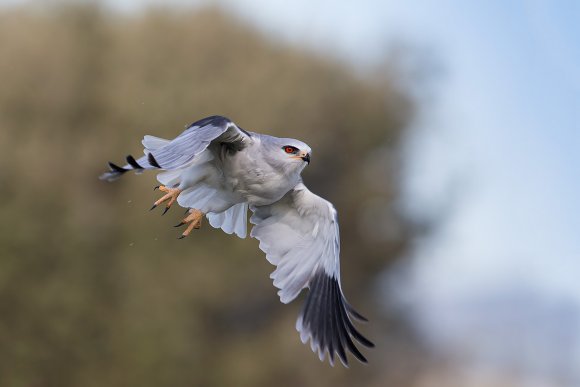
x,y
94,289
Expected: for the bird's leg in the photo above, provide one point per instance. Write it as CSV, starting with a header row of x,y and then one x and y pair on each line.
x,y
171,195
193,220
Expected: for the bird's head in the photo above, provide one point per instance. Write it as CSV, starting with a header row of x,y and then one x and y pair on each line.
x,y
290,154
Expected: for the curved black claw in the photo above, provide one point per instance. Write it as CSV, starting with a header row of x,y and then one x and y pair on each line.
x,y
179,225
156,187
181,237
152,208
165,210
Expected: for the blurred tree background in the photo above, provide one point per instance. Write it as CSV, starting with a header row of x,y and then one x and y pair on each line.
x,y
95,290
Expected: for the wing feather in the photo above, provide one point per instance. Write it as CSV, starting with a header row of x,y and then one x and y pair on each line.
x,y
232,220
179,152
300,235
196,138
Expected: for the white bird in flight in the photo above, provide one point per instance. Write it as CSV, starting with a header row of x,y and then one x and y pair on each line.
x,y
217,169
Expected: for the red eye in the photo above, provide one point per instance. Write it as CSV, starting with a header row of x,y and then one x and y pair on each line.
x,y
289,149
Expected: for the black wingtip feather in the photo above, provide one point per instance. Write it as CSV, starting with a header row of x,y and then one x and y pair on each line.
x,y
354,313
326,316
152,161
114,172
132,162
338,326
116,168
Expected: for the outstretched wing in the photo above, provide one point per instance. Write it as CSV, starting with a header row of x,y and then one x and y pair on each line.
x,y
177,153
299,234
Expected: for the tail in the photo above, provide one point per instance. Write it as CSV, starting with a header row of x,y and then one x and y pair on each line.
x,y
146,162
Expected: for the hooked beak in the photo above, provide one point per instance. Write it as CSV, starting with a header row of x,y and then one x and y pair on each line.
x,y
302,155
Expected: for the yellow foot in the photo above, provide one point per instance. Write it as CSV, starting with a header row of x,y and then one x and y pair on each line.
x,y
171,195
193,220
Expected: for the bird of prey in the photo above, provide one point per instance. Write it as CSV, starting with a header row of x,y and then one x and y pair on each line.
x,y
219,170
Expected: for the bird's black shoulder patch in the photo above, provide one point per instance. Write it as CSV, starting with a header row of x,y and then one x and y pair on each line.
x,y
213,120
244,131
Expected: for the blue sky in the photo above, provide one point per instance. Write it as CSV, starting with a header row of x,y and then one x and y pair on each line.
x,y
511,109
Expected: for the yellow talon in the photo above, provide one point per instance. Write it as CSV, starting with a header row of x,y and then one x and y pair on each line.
x,y
171,195
193,221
